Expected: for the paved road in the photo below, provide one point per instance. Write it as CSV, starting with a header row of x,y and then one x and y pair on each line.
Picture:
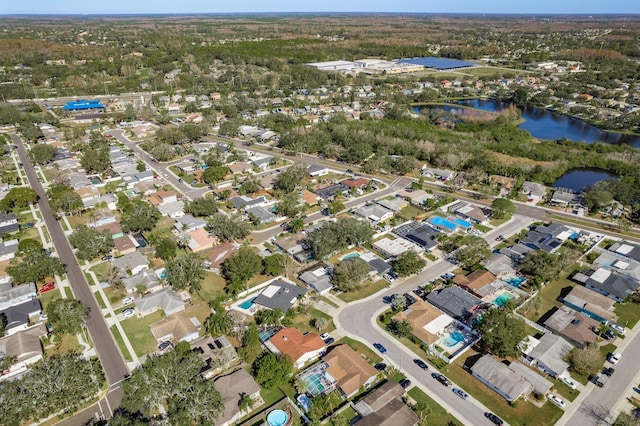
x,y
112,361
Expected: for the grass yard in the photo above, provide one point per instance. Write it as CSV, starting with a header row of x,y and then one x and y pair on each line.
x,y
304,322
411,212
100,300
361,348
548,298
438,416
101,270
67,343
199,310
120,341
344,418
628,313
139,334
212,286
524,413
565,391
364,291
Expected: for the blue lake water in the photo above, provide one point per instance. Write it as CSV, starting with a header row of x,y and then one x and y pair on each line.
x,y
578,179
545,124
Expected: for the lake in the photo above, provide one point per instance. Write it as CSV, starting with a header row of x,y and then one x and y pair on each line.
x,y
544,124
578,179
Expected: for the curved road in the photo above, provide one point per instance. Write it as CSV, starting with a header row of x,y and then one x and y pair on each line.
x,y
110,357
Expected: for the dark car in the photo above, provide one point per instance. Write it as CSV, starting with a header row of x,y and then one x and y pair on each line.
x,y
609,335
329,341
494,419
381,366
441,378
379,347
349,171
405,383
462,394
608,371
418,292
165,345
420,363
107,257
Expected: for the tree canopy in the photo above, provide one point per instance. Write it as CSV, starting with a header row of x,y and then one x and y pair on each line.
x,y
239,267
63,198
67,315
166,249
408,263
290,178
185,271
542,264
502,208
502,333
201,207
586,361
272,370
18,198
90,243
42,153
474,251
333,236
350,273
229,227
34,266
137,215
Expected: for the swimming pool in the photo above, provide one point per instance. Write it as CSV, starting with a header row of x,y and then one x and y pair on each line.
x,y
515,281
350,256
247,304
277,418
313,383
441,222
454,338
462,223
503,299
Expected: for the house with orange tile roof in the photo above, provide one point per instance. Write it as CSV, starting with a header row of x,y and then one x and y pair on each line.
x,y
163,197
302,348
359,183
474,281
200,239
349,369
307,197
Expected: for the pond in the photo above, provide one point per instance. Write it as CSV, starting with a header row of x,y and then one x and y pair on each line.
x,y
544,124
578,179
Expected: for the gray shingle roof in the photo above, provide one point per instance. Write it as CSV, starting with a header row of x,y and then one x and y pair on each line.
x,y
280,294
454,301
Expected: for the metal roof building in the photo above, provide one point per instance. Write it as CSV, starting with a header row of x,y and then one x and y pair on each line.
x,y
437,63
83,104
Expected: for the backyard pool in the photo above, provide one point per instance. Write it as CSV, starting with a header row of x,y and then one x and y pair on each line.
x,y
350,256
454,338
247,304
277,418
462,223
503,299
515,281
316,379
441,222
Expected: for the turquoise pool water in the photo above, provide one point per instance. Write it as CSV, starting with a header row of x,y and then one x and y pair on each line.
x,y
441,222
454,338
503,299
515,281
462,223
277,418
314,384
350,256
247,304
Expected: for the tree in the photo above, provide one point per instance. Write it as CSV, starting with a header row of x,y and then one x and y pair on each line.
x,y
272,370
162,152
423,410
401,328
542,264
502,332
173,380
349,274
251,345
626,419
296,225
63,198
214,174
35,266
291,178
408,263
138,215
473,252
502,208
27,245
95,160
200,207
239,267
586,361
191,131
333,236
228,227
288,205
274,264
185,272
166,249
67,315
398,302
18,198
219,323
90,243
320,323
42,153
335,207
249,186
596,197
269,317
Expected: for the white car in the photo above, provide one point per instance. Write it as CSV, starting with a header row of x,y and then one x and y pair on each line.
x,y
127,300
567,381
620,329
129,312
615,357
556,400
325,336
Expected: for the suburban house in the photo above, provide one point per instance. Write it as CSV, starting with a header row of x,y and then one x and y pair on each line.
x,y
318,278
384,407
8,249
242,201
534,191
114,229
610,284
426,321
316,170
18,294
20,316
500,265
419,233
264,215
475,281
439,174
329,193
548,238
168,300
218,354
125,245
163,197
395,204
505,183
620,258
132,262
590,303
8,223
200,239
454,301
375,213
176,327
471,212
24,347
173,210
416,196
302,348
219,254
548,354
280,294
579,329
349,369
293,245
393,248
233,387
564,198
499,377
189,223
355,183
146,278
307,197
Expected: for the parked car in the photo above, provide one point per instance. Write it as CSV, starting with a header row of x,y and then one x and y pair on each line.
x,y
325,336
441,378
418,292
494,419
608,371
388,277
127,300
556,400
420,363
165,345
620,329
462,394
329,341
349,171
129,312
381,366
107,257
48,286
615,357
569,382
380,348
405,383
608,335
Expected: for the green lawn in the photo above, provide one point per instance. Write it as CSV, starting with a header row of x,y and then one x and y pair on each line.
x,y
565,391
628,313
118,338
547,298
212,286
101,270
100,300
139,334
361,348
364,291
438,416
411,212
304,322
343,418
68,292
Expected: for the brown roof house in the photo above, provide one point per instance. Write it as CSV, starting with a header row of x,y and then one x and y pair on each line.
x,y
176,327
24,347
579,329
426,320
125,244
358,183
384,407
475,281
233,387
218,354
350,370
300,347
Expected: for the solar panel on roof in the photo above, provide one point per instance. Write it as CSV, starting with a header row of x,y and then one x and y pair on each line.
x,y
554,244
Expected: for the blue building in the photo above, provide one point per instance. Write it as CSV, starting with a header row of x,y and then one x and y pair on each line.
x,y
83,104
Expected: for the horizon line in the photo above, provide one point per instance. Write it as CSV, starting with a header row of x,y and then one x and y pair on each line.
x,y
79,14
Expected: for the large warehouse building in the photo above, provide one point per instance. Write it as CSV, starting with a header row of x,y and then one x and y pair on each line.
x,y
83,104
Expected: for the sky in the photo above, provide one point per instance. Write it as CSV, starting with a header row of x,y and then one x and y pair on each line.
x,y
266,6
